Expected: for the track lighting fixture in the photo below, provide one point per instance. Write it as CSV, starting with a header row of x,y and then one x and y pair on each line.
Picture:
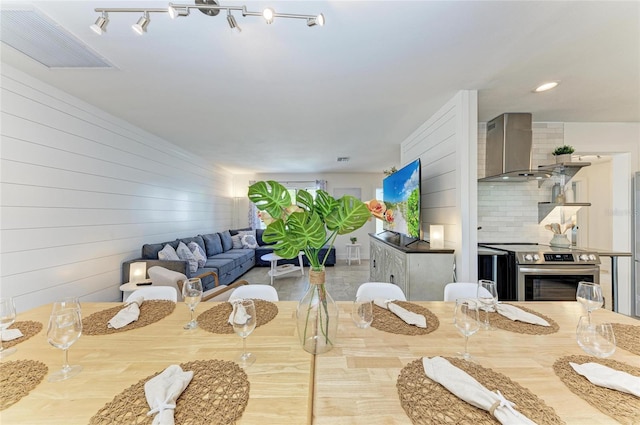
x,y
207,7
232,22
100,27
141,26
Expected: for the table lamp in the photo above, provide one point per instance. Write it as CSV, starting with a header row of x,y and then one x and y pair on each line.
x,y
436,236
137,271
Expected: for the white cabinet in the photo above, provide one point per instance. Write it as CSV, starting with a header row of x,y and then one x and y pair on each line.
x,y
421,273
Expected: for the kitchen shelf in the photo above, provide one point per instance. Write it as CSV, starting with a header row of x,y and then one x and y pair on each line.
x,y
546,208
568,169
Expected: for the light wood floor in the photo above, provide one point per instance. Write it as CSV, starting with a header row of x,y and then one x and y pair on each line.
x,y
342,280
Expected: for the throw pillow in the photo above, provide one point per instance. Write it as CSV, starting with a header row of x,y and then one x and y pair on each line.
x,y
186,255
251,232
198,252
237,243
249,241
225,237
212,243
168,253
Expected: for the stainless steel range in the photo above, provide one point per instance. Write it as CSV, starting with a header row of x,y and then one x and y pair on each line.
x,y
535,272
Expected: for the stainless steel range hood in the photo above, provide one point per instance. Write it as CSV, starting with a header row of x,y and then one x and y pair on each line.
x,y
509,150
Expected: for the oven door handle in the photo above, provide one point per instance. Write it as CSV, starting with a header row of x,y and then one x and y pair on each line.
x,y
561,270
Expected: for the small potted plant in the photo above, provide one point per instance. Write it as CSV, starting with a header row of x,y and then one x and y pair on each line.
x,y
353,239
563,153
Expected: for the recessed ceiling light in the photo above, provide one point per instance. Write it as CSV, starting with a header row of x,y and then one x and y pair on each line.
x,y
546,86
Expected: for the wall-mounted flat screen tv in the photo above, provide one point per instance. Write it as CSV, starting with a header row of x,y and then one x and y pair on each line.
x,y
401,195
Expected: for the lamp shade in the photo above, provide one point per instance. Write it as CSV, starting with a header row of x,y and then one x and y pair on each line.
x,y
137,271
436,236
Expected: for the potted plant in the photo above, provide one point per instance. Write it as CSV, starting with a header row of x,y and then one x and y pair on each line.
x,y
563,153
308,224
353,239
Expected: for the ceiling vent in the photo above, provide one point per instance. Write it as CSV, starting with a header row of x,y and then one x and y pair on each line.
x,y
343,159
45,41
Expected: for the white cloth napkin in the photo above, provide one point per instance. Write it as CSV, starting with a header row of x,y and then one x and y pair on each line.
x,y
604,376
163,390
11,334
465,387
128,314
514,313
409,317
241,317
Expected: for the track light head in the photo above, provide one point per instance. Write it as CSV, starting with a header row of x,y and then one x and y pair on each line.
x,y
232,22
177,11
268,14
100,27
318,20
141,26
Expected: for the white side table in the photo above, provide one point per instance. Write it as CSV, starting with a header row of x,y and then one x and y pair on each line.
x,y
129,287
283,269
353,252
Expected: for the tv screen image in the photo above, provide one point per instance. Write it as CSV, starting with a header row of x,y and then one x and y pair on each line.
x,y
401,195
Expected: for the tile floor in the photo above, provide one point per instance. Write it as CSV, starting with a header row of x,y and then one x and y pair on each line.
x,y
342,280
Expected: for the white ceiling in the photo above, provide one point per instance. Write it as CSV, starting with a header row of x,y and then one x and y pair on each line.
x,y
289,98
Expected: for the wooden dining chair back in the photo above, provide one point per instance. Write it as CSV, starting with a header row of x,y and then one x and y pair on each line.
x,y
373,290
155,293
455,290
260,292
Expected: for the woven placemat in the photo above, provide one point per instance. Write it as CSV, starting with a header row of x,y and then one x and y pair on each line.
x,y
627,337
18,378
151,311
497,320
28,328
216,319
623,407
217,395
427,402
387,321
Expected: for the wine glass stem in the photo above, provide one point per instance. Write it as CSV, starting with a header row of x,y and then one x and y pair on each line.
x,y
191,310
244,347
466,352
589,315
65,361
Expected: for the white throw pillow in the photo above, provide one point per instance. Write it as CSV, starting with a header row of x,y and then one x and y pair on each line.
x,y
237,243
198,252
251,232
185,254
168,253
249,241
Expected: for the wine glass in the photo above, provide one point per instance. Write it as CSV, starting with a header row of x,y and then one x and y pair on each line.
x,y
595,339
589,294
7,318
192,294
69,302
487,296
243,320
65,327
466,320
362,313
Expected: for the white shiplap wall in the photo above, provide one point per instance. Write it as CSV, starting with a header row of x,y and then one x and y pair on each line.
x,y
446,147
82,191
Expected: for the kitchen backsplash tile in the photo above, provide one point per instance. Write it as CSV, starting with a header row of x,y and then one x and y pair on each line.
x,y
508,212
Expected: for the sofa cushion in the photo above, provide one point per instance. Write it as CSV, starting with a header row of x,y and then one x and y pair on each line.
x,y
198,252
237,242
227,243
150,250
184,253
197,239
223,265
259,233
168,253
249,241
212,243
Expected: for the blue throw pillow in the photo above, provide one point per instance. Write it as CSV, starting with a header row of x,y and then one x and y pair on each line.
x,y
227,243
212,244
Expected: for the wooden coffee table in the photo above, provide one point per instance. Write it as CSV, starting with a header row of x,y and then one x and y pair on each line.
x,y
284,268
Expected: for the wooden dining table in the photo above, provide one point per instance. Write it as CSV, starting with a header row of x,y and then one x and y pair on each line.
x,y
355,383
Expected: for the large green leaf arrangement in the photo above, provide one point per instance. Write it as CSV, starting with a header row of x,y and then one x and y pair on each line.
x,y
308,224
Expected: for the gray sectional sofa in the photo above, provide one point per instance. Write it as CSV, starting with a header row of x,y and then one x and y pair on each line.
x,y
227,262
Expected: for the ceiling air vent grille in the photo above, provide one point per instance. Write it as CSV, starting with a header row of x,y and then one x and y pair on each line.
x,y
43,40
343,159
